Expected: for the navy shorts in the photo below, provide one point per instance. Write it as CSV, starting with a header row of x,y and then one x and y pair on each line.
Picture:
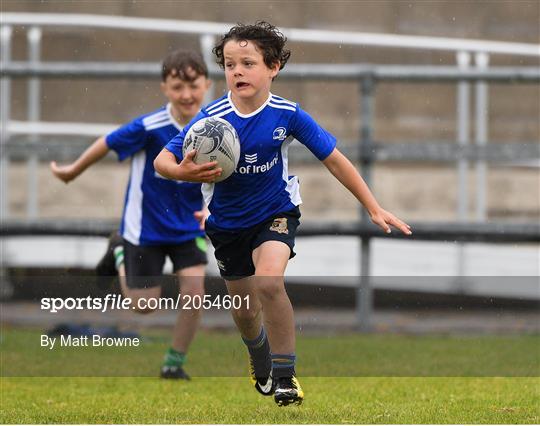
x,y
233,249
142,262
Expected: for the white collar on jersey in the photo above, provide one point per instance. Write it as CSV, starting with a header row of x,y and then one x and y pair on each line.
x,y
173,120
251,114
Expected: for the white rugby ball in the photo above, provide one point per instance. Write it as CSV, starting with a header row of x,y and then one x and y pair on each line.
x,y
214,139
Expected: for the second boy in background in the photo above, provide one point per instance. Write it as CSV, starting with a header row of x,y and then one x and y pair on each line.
x,y
158,218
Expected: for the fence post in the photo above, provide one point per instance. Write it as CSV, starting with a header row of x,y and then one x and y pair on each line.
x,y
6,32
364,293
481,135
5,112
207,44
463,130
34,107
463,135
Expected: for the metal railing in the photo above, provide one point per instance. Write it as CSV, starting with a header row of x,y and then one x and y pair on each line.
x,y
293,34
368,76
433,231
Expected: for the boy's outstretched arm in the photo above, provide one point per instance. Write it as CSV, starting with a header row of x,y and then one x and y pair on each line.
x,y
187,171
93,154
346,173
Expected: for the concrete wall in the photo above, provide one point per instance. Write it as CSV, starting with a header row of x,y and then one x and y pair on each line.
x,y
420,193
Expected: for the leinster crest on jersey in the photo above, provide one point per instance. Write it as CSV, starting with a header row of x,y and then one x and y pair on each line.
x,y
279,225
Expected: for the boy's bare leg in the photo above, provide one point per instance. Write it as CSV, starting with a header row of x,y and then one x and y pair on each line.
x,y
270,260
248,321
266,291
135,293
191,282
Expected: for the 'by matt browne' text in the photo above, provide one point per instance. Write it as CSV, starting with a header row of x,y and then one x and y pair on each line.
x,y
95,340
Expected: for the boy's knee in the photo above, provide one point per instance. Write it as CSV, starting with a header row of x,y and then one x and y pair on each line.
x,y
192,297
268,271
269,288
192,286
192,290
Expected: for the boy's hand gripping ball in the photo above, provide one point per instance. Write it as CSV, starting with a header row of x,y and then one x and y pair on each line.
x,y
214,139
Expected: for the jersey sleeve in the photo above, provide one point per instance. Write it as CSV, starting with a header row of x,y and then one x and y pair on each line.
x,y
128,139
308,132
176,143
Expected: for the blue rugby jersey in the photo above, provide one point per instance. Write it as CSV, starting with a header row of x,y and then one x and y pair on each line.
x,y
260,186
156,210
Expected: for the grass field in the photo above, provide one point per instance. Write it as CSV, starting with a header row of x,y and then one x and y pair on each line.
x,y
368,397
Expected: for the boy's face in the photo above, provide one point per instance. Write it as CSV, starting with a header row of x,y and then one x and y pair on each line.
x,y
247,75
186,97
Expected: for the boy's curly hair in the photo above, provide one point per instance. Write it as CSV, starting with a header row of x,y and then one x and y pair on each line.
x,y
185,64
268,39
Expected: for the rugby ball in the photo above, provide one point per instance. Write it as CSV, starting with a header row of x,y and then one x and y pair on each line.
x,y
214,139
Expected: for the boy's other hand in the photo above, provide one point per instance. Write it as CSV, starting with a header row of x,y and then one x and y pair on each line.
x,y
201,216
64,173
192,172
384,219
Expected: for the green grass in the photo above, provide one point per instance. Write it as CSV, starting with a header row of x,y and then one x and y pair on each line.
x,y
344,355
232,399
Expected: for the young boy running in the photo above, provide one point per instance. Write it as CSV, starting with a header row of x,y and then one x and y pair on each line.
x,y
254,213
158,218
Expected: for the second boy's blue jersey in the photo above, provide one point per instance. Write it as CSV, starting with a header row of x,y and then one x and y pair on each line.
x,y
260,186
157,211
